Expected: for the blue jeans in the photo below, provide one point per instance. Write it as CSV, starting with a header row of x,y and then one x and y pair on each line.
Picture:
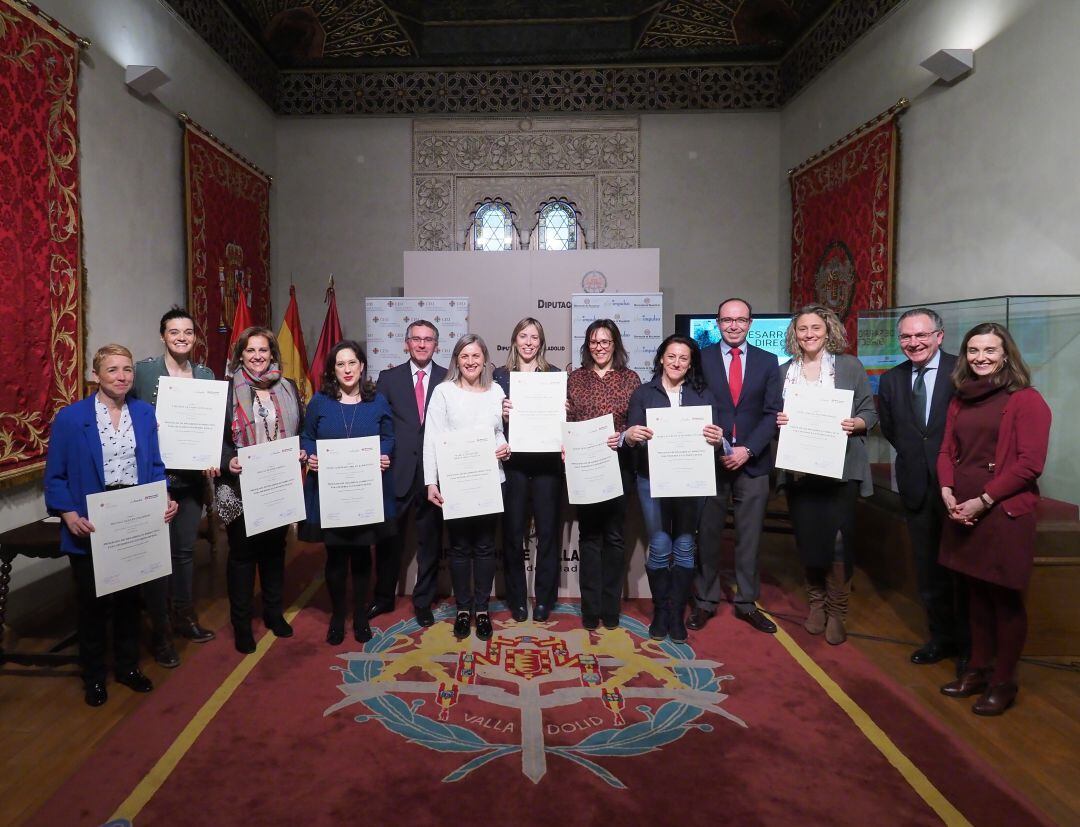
x,y
670,523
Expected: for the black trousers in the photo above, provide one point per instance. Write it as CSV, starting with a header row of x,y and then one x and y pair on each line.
x,y
388,552
472,560
603,553
942,591
546,489
264,552
93,622
339,559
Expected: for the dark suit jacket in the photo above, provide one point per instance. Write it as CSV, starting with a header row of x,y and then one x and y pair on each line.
x,y
397,386
75,465
653,395
759,402
916,445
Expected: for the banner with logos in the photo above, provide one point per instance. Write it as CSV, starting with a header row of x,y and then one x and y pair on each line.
x,y
639,316
388,317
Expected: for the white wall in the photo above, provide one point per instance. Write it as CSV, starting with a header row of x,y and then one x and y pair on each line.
x,y
132,190
988,198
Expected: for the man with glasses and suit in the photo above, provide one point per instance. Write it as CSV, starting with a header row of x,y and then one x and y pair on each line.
x,y
746,383
912,401
407,387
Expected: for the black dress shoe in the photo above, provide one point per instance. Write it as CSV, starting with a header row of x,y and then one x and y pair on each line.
x,y
590,622
698,618
243,639
135,680
335,635
186,624
520,614
94,693
462,625
483,626
165,652
424,616
379,609
361,630
541,613
757,619
933,652
611,622
278,625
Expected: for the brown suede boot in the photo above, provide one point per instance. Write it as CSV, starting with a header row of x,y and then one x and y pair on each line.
x,y
837,587
815,596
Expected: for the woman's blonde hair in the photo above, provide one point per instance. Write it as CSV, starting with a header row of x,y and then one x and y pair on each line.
x,y
835,335
453,373
110,350
513,360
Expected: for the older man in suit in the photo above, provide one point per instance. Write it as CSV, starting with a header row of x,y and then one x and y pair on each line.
x,y
745,381
912,401
407,387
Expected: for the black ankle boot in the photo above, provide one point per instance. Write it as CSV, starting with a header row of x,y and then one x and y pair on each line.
x,y
660,586
681,581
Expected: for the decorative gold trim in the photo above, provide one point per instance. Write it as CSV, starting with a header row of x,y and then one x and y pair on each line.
x,y
187,123
899,106
52,24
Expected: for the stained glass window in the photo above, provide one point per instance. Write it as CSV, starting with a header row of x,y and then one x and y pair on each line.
x,y
557,226
493,227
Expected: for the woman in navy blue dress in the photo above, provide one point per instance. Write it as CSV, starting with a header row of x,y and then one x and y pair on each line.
x,y
346,407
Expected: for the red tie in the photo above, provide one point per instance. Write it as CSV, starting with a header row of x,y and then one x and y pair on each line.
x,y
734,379
420,395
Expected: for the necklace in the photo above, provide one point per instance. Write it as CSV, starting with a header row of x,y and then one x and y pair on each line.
x,y
348,425
264,414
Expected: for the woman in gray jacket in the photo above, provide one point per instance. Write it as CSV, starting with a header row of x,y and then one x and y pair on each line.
x,y
822,508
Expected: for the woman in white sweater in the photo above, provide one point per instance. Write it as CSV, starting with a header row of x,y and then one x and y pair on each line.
x,y
467,400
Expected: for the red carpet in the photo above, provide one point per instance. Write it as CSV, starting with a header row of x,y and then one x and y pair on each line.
x,y
729,728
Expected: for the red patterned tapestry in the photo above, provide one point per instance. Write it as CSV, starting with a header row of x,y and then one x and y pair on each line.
x,y
228,232
843,207
41,338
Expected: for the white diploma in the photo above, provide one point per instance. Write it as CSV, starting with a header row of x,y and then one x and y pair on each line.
x,y
130,542
270,485
813,441
350,482
592,468
538,412
190,417
468,473
681,462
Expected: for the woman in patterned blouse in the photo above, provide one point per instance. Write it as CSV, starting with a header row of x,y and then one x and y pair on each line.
x,y
602,385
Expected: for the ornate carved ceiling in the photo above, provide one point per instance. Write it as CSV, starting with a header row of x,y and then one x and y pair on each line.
x,y
471,56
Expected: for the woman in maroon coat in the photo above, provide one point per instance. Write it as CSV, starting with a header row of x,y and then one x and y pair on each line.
x,y
994,449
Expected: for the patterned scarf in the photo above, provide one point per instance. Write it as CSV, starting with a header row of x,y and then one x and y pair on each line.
x,y
285,402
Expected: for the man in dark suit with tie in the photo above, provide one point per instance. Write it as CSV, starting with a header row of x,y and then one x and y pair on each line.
x,y
408,387
746,383
912,400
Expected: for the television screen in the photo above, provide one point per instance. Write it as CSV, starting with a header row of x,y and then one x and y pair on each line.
x,y
767,331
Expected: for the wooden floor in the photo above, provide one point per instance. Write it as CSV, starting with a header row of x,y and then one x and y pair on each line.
x,y
47,732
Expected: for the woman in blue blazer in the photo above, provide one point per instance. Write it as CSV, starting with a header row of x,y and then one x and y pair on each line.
x,y
346,407
103,442
670,522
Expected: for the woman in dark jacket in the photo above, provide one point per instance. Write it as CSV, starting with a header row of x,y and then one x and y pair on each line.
x,y
996,435
670,522
347,407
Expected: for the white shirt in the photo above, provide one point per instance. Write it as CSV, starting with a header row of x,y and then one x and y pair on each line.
x,y
117,446
415,368
453,408
929,379
725,350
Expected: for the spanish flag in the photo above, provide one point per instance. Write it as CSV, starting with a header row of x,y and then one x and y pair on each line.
x,y
293,352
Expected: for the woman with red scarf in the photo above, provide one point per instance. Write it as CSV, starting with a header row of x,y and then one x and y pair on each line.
x,y
263,406
996,436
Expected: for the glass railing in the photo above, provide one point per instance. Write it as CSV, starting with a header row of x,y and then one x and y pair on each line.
x,y
1047,331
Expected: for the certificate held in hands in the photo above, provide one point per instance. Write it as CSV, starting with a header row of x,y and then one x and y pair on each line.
x,y
681,462
270,485
813,440
130,542
350,482
468,473
190,416
538,411
592,468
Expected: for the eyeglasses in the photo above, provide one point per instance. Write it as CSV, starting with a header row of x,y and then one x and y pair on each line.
x,y
741,321
425,340
601,343
917,337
